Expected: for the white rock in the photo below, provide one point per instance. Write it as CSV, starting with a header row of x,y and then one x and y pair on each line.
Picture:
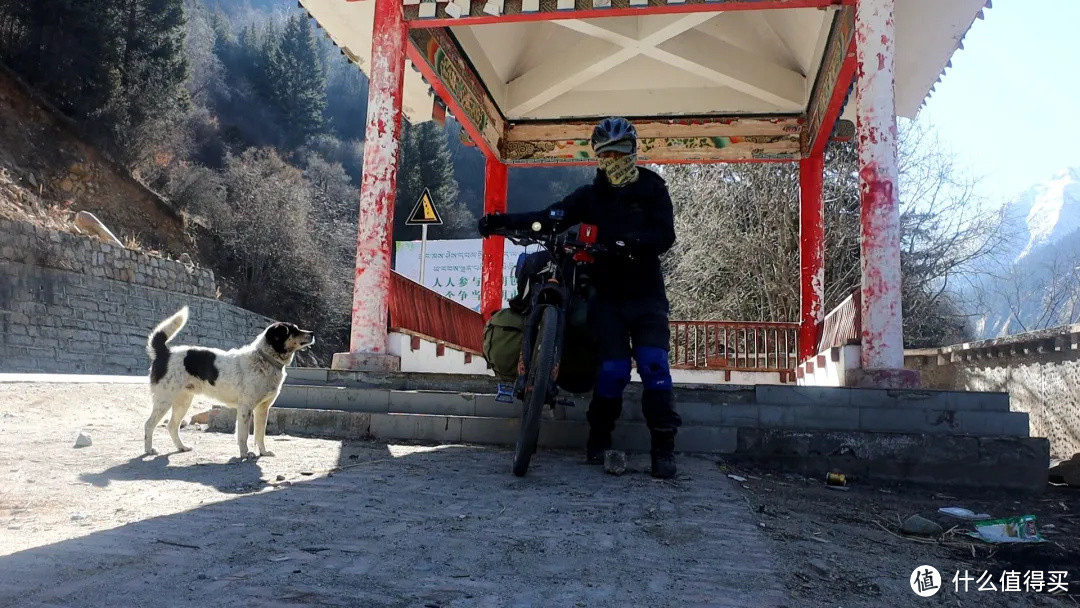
x,y
83,440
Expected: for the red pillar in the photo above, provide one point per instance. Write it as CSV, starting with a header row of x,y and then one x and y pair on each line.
x,y
368,338
811,252
491,291
882,318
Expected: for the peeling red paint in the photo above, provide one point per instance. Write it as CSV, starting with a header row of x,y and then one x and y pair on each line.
x,y
811,252
882,322
371,287
491,290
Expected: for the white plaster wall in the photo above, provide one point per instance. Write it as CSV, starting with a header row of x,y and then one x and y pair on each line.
x,y
426,360
687,376
833,373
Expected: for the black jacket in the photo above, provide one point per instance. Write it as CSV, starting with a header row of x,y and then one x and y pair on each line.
x,y
640,214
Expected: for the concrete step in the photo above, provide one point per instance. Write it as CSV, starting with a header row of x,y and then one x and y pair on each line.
x,y
887,415
685,393
554,434
862,397
987,462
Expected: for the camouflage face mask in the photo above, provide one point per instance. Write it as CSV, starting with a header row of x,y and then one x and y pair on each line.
x,y
620,170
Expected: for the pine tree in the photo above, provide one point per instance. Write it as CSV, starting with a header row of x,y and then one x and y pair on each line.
x,y
147,68
59,46
426,163
297,81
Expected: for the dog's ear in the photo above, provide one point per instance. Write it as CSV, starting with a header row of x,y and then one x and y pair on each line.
x,y
276,335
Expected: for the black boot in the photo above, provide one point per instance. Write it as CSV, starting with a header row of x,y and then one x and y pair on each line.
x,y
602,414
659,409
599,442
663,454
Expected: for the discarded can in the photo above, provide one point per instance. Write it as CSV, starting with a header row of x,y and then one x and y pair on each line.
x,y
836,479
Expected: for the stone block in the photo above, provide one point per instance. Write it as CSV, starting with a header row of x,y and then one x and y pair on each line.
x,y
739,415
500,431
894,420
1014,463
802,395
563,434
778,416
432,402
992,424
486,406
707,440
827,418
348,399
416,427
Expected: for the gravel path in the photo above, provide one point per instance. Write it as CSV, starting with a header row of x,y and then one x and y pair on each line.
x,y
356,523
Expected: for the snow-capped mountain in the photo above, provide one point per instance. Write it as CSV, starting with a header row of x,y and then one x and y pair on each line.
x,y
1036,275
1047,212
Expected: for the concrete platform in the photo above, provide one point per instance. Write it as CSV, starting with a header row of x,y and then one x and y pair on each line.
x,y
897,435
780,407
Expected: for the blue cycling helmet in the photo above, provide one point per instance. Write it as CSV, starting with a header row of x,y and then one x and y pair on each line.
x,y
614,135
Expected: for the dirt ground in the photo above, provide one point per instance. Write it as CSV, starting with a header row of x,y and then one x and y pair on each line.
x,y
850,539
349,524
363,523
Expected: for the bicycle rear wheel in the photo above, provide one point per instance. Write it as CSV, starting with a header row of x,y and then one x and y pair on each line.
x,y
536,387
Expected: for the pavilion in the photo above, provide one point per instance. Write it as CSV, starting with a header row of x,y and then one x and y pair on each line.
x,y
704,81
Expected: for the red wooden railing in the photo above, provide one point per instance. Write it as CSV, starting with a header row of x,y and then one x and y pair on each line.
x,y
843,325
423,313
733,346
704,345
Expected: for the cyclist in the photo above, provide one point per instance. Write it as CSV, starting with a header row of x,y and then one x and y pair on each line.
x,y
631,208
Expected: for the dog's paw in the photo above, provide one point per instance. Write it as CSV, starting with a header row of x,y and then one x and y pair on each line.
x,y
151,452
183,448
266,454
250,456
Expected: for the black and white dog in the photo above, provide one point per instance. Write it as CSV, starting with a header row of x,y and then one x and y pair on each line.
x,y
247,379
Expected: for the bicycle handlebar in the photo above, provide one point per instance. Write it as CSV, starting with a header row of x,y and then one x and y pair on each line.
x,y
547,239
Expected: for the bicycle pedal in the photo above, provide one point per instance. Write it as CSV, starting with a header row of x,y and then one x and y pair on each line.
x,y
504,394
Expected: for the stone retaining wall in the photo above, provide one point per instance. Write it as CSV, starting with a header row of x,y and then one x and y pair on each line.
x,y
26,243
72,304
1039,370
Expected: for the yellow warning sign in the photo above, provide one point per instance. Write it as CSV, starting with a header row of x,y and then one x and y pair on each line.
x,y
424,213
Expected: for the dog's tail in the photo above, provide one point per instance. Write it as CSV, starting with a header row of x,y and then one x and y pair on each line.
x,y
157,347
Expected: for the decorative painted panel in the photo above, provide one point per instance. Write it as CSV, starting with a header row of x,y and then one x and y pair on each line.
x,y
684,140
446,61
836,54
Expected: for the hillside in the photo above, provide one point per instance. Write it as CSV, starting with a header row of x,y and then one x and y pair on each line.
x,y
50,172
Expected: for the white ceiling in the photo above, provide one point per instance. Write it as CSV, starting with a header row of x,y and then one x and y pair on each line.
x,y
732,62
740,62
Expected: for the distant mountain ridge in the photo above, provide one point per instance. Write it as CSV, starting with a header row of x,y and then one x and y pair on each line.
x,y
1036,275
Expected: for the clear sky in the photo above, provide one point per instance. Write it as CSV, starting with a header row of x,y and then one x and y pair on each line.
x,y
1010,105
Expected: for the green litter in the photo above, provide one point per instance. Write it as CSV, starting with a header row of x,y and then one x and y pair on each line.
x,y
1008,530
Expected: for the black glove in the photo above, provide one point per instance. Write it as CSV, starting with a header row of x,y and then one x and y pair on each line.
x,y
490,223
484,227
619,248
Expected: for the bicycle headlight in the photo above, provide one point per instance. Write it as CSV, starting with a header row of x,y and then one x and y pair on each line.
x,y
537,227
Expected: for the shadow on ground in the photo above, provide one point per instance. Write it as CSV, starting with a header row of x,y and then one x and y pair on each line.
x,y
413,526
233,477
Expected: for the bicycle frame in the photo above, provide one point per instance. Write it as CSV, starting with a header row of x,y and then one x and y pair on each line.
x,y
558,291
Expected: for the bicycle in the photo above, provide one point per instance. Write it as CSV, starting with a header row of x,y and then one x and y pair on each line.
x,y
562,282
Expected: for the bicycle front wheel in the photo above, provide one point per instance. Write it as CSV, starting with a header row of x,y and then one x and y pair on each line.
x,y
536,387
